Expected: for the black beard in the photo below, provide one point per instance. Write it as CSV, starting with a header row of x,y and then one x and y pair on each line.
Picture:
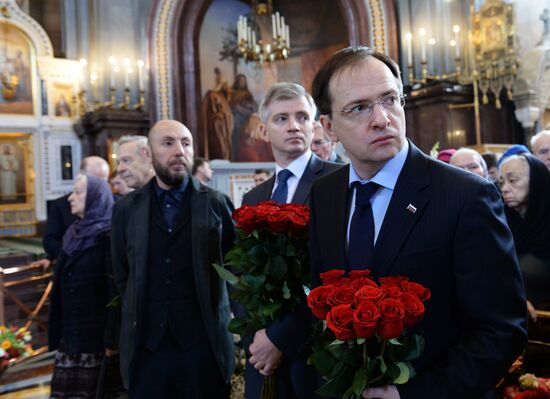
x,y
167,177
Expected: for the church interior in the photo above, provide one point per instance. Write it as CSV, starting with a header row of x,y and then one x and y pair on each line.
x,y
77,75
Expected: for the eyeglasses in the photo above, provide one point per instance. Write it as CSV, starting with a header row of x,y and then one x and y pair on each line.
x,y
362,112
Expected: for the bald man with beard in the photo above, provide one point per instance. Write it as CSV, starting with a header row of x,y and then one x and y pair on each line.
x,y
165,237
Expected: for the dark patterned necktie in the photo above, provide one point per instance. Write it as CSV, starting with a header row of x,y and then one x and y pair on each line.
x,y
361,232
281,192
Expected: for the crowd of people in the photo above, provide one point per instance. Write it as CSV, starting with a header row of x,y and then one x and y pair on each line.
x,y
136,284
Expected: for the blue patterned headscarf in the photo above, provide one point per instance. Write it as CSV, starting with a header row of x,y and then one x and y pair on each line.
x,y
83,233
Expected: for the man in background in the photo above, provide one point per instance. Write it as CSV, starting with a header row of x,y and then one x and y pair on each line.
x,y
175,309
322,145
119,185
260,175
540,144
287,113
471,161
202,170
134,162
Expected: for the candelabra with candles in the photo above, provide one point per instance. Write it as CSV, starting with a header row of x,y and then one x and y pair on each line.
x,y
96,103
491,55
251,46
492,52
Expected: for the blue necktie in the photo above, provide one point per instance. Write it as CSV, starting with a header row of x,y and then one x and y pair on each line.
x,y
361,232
281,192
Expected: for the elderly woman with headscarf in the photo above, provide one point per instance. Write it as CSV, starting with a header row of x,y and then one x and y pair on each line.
x,y
525,186
82,326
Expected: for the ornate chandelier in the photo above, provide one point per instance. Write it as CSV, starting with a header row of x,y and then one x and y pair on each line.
x,y
252,33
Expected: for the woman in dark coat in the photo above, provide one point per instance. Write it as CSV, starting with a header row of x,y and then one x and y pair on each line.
x,y
82,326
525,185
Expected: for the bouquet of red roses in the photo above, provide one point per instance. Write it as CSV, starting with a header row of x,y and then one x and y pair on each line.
x,y
363,339
268,263
268,267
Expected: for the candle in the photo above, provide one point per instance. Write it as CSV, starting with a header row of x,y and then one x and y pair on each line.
x,y
283,28
126,62
83,73
140,65
456,30
129,72
278,23
409,37
287,36
422,33
431,42
93,83
112,62
274,26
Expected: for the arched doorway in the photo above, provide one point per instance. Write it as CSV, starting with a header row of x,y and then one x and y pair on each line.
x,y
175,63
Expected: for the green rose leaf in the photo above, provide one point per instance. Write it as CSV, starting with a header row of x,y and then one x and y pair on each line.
x,y
404,373
237,326
359,381
286,291
276,267
226,274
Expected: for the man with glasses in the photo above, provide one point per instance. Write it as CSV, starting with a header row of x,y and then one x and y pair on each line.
x,y
396,211
322,145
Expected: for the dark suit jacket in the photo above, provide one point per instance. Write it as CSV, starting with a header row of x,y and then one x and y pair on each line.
x,y
83,285
457,244
291,333
212,228
59,220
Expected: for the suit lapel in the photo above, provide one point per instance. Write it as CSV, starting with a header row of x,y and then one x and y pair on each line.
x,y
200,221
265,189
405,209
314,166
140,221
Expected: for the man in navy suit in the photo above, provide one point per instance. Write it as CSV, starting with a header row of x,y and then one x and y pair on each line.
x,y
441,226
287,113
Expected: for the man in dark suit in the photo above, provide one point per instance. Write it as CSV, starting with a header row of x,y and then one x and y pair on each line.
x,y
175,309
441,226
287,114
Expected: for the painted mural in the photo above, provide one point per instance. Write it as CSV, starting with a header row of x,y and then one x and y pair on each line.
x,y
232,89
15,71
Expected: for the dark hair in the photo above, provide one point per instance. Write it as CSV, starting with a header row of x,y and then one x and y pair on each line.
x,y
490,159
340,60
197,163
258,171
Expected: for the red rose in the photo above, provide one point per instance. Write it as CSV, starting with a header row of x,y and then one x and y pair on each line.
x,y
298,224
340,296
331,276
418,289
340,322
414,308
263,210
365,319
393,314
245,218
277,222
393,280
368,293
317,301
391,291
360,282
355,274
